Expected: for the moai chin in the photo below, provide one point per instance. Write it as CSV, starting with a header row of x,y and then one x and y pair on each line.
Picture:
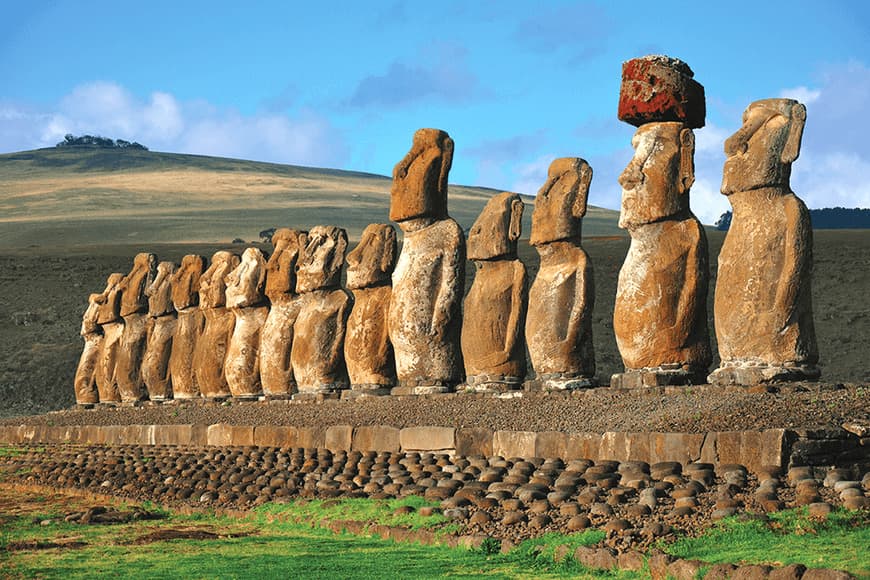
x,y
189,325
493,321
763,303
245,299
425,315
134,310
368,352
317,354
112,326
559,319
660,318
85,383
211,347
276,338
161,330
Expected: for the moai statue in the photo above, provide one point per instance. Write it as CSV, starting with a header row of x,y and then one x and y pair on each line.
x,y
763,305
189,325
425,317
85,383
368,352
110,321
559,320
161,329
247,302
134,310
493,321
317,355
211,347
660,318
276,338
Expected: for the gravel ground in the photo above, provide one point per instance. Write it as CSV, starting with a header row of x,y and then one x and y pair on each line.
x,y
696,409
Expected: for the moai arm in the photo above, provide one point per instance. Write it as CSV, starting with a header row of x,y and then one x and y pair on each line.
x,y
336,350
452,264
584,298
516,321
798,248
693,264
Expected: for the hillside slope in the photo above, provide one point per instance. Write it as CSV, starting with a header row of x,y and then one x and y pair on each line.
x,y
90,196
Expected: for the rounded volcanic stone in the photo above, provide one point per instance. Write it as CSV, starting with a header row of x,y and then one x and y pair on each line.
x,y
513,517
570,509
577,523
856,503
540,521
660,88
481,517
600,509
721,513
638,510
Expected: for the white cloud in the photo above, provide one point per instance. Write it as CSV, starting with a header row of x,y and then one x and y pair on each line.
x,y
531,176
805,95
163,123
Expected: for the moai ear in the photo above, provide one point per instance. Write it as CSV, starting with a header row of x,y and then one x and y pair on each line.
x,y
687,159
796,123
339,250
446,163
516,226
388,256
261,271
578,210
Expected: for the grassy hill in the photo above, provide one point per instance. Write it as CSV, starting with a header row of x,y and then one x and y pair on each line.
x,y
79,196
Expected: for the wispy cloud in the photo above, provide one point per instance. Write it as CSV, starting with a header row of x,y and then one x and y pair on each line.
x,y
576,31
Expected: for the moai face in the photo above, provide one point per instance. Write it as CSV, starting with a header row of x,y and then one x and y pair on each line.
x,y
561,201
212,286
134,299
761,152
420,179
110,300
159,292
371,263
656,183
281,267
497,229
320,263
90,319
185,282
246,282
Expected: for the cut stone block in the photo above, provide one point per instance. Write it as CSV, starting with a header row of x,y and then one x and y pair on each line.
x,y
660,88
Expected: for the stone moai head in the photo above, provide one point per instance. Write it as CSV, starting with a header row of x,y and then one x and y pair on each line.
x,y
212,285
656,182
281,267
761,152
185,282
561,201
497,228
90,319
420,179
320,263
371,263
245,284
134,299
110,300
159,292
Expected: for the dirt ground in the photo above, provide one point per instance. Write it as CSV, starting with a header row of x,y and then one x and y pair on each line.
x,y
43,292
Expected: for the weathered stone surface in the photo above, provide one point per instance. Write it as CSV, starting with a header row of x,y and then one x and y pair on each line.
x,y
188,327
245,298
112,325
317,354
161,330
275,436
368,351
514,443
224,435
763,303
85,382
276,339
659,317
339,437
211,347
173,434
660,88
376,438
474,441
493,342
427,438
559,320
425,317
134,308
551,444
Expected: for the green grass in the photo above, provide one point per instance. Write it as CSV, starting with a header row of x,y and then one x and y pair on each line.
x,y
841,541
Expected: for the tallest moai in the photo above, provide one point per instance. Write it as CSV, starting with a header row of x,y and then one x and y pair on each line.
x,y
660,316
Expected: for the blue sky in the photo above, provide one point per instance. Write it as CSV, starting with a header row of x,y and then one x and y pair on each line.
x,y
516,84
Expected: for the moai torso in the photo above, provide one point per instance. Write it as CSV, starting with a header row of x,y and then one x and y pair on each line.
x,y
85,384
134,309
246,300
185,299
660,317
425,315
211,348
493,323
559,319
368,352
317,355
276,338
763,303
161,329
112,326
